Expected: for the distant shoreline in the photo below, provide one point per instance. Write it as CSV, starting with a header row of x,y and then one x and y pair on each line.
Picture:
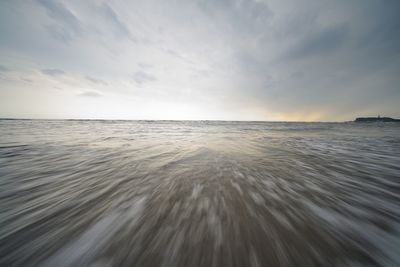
x,y
376,119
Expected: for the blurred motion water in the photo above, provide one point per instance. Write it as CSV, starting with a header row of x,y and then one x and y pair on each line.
x,y
167,193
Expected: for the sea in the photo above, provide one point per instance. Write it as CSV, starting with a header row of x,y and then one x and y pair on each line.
x,y
199,193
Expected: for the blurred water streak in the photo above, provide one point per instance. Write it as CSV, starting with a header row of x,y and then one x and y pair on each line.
x,y
164,193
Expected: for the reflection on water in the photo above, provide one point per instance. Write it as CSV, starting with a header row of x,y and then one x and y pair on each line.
x,y
142,193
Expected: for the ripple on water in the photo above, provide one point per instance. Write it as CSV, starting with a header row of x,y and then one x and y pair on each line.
x,y
143,193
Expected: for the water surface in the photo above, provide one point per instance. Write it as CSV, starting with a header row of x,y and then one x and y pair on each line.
x,y
165,193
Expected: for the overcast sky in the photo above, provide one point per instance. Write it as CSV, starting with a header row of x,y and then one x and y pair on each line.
x,y
205,59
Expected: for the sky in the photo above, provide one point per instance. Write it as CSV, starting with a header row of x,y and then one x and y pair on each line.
x,y
310,60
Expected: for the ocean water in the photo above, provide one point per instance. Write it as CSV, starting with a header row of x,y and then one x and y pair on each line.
x,y
167,193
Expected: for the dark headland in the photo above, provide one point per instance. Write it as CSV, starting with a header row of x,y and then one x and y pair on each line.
x,y
375,119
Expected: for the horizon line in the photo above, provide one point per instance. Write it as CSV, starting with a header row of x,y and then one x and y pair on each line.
x,y
216,120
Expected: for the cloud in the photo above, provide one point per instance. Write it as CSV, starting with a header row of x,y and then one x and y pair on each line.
x,y
53,72
27,80
239,17
67,25
61,13
332,58
141,77
145,65
318,44
59,33
3,69
96,80
94,94
120,28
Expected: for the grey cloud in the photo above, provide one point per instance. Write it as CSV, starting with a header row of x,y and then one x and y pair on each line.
x,y
3,69
318,44
94,94
141,77
120,28
59,33
67,26
59,12
145,65
246,16
342,51
96,80
53,72
274,56
27,80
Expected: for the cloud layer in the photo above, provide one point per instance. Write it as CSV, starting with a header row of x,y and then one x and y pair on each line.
x,y
201,59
